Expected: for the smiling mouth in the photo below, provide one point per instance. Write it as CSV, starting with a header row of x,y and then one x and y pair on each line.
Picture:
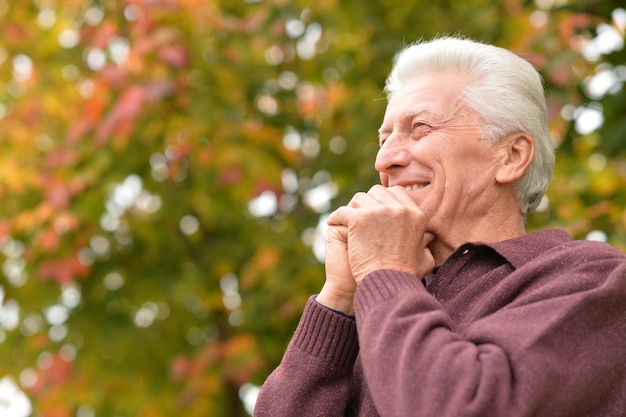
x,y
413,187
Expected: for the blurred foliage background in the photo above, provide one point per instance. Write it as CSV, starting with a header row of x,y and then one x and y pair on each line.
x,y
166,167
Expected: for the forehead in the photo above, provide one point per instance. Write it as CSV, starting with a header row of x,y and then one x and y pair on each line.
x,y
429,93
434,97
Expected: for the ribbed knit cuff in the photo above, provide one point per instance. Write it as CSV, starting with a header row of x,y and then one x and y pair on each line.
x,y
382,285
327,335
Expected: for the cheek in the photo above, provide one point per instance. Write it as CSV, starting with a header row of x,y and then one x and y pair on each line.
x,y
469,163
469,181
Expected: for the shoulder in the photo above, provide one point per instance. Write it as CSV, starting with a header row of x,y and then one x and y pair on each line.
x,y
557,247
577,252
576,267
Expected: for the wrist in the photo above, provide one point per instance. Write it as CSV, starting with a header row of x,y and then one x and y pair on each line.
x,y
337,300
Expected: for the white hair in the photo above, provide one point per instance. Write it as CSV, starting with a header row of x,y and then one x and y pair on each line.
x,y
504,90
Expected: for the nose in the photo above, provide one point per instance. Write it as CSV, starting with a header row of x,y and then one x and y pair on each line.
x,y
392,155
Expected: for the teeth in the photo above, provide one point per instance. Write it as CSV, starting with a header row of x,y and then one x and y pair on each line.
x,y
414,187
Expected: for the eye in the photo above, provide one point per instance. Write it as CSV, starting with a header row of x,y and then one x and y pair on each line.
x,y
420,129
382,137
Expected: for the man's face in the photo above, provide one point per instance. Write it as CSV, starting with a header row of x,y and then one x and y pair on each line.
x,y
431,145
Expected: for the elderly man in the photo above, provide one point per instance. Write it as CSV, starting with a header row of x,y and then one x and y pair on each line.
x,y
436,300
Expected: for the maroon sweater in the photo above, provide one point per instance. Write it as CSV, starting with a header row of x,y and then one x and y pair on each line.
x,y
533,326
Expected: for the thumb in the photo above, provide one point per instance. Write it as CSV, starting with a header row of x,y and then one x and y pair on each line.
x,y
427,263
336,233
428,238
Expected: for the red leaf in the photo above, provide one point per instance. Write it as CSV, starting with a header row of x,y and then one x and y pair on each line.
x,y
180,368
78,130
103,34
562,75
63,271
123,114
263,184
60,157
60,371
573,22
114,75
230,176
57,193
14,32
157,90
54,374
91,114
175,55
49,240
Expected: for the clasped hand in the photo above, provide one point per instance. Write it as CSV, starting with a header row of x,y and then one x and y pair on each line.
x,y
381,229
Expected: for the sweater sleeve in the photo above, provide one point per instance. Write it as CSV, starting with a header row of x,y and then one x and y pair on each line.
x,y
556,351
315,374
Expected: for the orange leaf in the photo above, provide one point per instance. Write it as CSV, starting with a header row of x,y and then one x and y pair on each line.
x,y
5,229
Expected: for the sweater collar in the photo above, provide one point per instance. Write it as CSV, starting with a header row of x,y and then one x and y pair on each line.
x,y
516,252
523,249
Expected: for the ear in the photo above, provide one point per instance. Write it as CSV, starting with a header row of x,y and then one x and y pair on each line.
x,y
516,154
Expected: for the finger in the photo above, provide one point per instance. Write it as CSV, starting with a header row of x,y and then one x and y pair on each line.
x,y
340,216
428,238
361,199
428,264
401,195
337,233
375,196
394,196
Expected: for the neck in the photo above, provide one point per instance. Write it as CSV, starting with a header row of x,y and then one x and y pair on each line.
x,y
489,228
